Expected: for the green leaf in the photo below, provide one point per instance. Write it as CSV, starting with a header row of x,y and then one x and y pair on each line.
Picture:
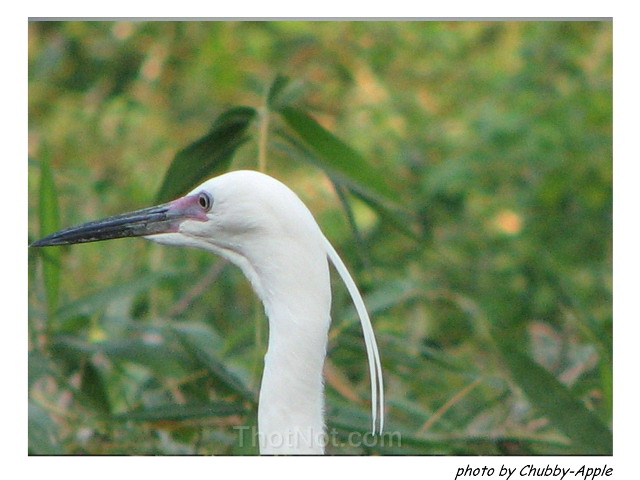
x,y
94,388
336,155
388,211
208,155
49,223
278,85
553,399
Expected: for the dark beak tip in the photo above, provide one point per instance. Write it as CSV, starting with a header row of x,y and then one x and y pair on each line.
x,y
40,243
37,243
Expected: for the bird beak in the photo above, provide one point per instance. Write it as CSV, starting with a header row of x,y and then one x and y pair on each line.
x,y
164,218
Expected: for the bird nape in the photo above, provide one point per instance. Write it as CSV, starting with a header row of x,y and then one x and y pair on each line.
x,y
260,225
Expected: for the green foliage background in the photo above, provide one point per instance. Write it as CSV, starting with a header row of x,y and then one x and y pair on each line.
x,y
462,169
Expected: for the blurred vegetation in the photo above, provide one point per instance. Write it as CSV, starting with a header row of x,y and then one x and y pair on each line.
x,y
463,170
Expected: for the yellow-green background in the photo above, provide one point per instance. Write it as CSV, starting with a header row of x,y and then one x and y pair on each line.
x,y
495,141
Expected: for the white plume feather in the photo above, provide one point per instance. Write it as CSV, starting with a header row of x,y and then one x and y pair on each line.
x,y
375,367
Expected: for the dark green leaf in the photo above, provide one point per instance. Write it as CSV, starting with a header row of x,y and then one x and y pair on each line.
x,y
208,155
554,400
94,388
176,412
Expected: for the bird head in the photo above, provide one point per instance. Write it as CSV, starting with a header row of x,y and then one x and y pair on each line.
x,y
242,212
245,216
222,213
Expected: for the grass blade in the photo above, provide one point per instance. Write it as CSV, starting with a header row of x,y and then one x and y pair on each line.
x,y
199,342
49,223
95,301
553,399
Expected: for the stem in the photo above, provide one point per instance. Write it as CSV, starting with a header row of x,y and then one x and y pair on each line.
x,y
448,404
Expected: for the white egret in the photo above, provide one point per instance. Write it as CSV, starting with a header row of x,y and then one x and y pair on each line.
x,y
260,225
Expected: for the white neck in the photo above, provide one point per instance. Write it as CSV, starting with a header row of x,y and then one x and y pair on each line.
x,y
291,406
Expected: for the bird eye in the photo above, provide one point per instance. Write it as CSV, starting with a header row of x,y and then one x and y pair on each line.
x,y
205,200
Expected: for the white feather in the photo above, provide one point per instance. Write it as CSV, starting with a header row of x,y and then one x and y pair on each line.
x,y
375,367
